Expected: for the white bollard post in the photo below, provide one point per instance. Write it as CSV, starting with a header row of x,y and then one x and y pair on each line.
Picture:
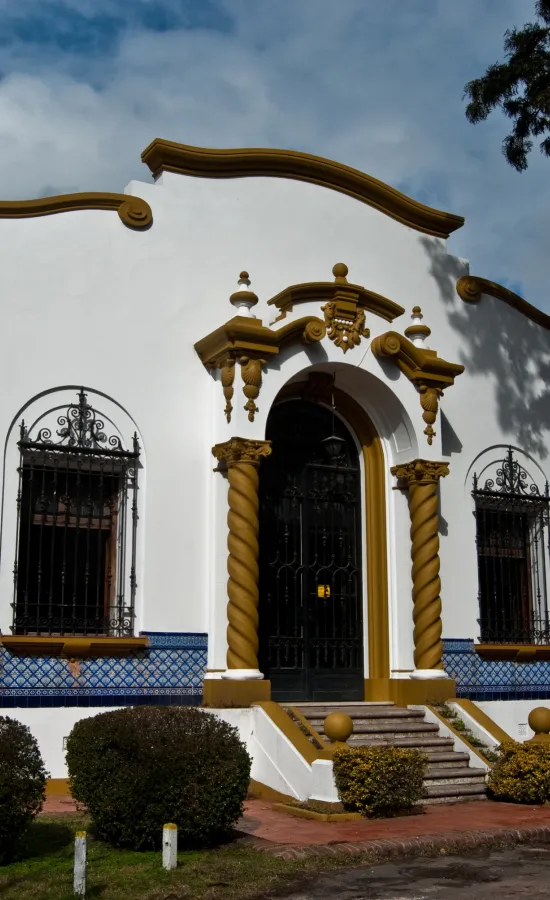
x,y
80,864
170,846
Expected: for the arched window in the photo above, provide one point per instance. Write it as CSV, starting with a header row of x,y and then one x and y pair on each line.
x,y
75,560
512,516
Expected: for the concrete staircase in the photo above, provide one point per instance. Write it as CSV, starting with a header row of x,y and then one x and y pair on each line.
x,y
449,777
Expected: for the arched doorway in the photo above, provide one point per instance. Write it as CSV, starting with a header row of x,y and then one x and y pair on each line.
x,y
311,623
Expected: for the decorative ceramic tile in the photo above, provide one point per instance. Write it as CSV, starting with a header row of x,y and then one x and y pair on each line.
x,y
483,679
172,665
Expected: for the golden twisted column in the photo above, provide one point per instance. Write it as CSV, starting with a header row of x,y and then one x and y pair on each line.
x,y
242,458
422,478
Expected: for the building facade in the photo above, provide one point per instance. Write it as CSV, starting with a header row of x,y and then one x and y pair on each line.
x,y
265,438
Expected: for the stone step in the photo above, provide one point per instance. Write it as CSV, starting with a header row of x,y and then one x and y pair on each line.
x,y
449,777
447,759
322,711
361,725
380,726
454,775
418,742
380,715
363,704
447,792
391,734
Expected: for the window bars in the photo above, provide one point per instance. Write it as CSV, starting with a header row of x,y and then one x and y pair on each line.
x,y
512,518
76,528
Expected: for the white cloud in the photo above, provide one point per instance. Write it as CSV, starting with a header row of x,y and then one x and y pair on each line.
x,y
375,85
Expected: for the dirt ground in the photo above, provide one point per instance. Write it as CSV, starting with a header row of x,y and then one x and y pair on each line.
x,y
521,872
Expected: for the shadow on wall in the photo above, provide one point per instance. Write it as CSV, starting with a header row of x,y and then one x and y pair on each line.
x,y
518,359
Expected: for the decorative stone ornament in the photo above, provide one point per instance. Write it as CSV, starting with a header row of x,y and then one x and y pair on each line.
x,y
430,374
344,318
417,332
244,340
244,299
331,291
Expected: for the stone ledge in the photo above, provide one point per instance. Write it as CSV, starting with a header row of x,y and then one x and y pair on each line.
x,y
72,647
513,652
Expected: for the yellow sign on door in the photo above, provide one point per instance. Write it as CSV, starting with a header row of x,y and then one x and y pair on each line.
x,y
323,590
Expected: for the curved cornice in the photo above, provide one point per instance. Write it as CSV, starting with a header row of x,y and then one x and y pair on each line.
x,y
133,211
162,156
470,288
325,291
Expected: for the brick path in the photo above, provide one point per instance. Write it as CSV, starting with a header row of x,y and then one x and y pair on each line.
x,y
262,821
459,826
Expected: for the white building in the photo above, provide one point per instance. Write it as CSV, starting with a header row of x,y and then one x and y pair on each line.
x,y
147,395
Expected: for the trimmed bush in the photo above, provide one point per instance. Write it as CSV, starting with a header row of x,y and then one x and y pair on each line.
x,y
136,769
22,784
521,773
378,781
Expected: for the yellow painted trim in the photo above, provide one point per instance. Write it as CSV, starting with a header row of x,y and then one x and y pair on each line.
x,y
471,287
456,733
322,741
483,720
284,723
325,291
516,652
72,647
301,813
240,335
218,693
132,211
168,156
264,792
410,691
58,787
318,388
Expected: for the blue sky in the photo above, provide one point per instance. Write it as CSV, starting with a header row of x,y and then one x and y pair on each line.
x,y
86,84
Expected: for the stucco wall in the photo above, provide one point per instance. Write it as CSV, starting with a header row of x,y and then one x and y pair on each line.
x,y
512,716
86,301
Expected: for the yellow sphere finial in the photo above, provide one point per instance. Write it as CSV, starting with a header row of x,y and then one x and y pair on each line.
x,y
340,270
539,722
338,726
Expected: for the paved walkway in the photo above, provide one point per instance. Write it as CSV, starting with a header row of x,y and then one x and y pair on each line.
x,y
451,821
262,821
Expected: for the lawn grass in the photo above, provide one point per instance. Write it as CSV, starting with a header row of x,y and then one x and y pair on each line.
x,y
45,870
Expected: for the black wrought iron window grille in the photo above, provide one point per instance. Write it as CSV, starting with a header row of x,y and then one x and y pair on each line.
x,y
512,524
77,515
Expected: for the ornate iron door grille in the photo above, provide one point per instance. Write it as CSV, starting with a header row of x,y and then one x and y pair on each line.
x,y
71,573
512,520
311,628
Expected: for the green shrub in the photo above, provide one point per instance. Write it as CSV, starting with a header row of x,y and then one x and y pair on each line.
x,y
136,769
444,709
376,781
521,773
22,784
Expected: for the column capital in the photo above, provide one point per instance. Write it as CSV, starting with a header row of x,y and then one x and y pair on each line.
x,y
241,450
420,471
